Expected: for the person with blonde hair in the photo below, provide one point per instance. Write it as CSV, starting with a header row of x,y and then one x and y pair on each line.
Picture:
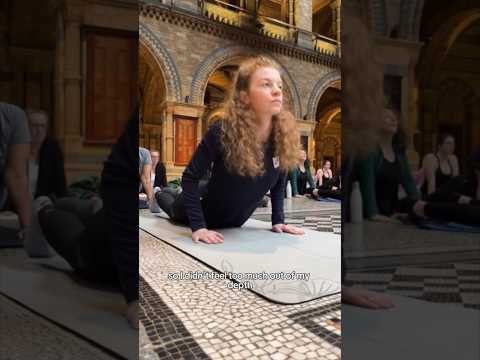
x,y
249,151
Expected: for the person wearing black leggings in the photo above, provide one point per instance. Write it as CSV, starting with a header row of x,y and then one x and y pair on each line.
x,y
387,168
102,246
251,149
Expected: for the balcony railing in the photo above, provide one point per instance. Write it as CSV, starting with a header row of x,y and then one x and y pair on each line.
x,y
233,15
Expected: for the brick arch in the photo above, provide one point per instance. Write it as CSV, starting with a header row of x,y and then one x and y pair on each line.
x,y
331,79
222,56
164,61
410,19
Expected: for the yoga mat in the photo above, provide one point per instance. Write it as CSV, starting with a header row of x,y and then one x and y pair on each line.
x,y
328,199
9,239
255,249
414,329
451,226
45,287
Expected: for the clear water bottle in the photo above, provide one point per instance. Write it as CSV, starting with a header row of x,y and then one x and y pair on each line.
x,y
356,204
289,190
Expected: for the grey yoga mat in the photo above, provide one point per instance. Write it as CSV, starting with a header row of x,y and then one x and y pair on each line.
x,y
96,315
413,329
283,268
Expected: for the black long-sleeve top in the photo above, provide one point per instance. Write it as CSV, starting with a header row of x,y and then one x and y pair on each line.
x,y
230,199
119,190
51,170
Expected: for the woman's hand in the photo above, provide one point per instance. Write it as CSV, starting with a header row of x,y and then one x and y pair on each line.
x,y
289,229
366,298
132,314
207,236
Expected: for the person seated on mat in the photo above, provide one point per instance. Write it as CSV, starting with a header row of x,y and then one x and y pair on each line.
x,y
323,175
159,173
329,189
441,166
14,152
301,176
146,196
46,170
251,148
101,243
387,168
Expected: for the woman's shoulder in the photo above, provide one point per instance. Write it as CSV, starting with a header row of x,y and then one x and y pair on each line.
x,y
430,159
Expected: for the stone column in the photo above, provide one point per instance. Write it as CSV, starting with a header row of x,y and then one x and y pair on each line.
x,y
72,77
303,21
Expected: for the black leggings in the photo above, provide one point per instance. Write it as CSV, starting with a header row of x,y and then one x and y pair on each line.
x,y
334,194
452,212
173,204
80,239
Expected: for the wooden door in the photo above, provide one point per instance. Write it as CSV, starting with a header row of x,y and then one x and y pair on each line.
x,y
111,87
185,139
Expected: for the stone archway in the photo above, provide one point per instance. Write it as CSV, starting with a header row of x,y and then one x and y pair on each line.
x,y
330,80
235,54
428,68
153,92
164,61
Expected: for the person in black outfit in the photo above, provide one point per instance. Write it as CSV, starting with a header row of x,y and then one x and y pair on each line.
x,y
158,169
47,169
252,148
441,166
103,246
387,167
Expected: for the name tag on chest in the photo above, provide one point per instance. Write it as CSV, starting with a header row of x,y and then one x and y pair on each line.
x,y
276,162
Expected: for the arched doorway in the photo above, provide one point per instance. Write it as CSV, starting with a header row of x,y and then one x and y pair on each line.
x,y
446,72
328,129
152,94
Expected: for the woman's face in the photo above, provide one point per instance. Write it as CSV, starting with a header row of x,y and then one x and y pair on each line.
x,y
302,155
327,165
390,124
265,92
448,146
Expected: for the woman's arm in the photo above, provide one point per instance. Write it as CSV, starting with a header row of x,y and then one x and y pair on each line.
x,y
310,178
147,181
278,217
294,182
320,177
407,180
430,166
455,166
207,152
16,180
367,185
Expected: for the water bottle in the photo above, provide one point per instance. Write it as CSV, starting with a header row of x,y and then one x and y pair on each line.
x,y
356,204
289,190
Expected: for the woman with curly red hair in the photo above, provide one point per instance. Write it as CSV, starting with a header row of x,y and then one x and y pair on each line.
x,y
249,151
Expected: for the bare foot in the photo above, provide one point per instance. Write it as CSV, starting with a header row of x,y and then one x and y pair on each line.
x,y
366,298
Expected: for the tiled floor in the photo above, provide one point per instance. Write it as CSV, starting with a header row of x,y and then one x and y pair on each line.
x,y
205,320
457,283
25,335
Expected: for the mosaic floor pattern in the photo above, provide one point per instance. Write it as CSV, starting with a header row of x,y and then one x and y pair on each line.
x,y
25,335
456,283
203,319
